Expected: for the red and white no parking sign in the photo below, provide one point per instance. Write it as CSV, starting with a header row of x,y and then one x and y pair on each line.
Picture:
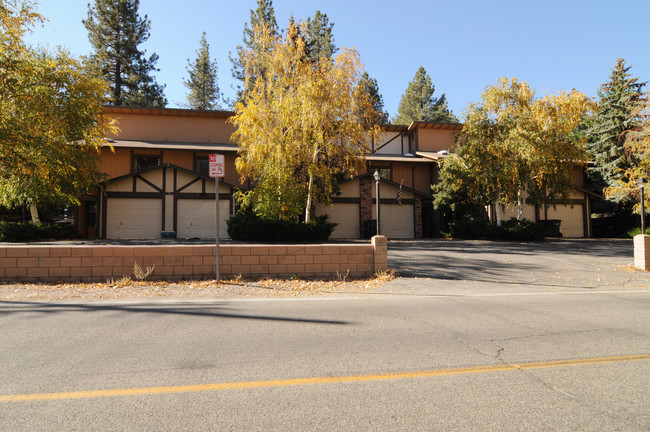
x,y
217,168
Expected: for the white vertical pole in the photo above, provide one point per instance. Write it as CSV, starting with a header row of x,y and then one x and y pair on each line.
x,y
216,199
378,217
642,212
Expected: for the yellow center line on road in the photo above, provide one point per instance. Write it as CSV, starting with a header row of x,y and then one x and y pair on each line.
x,y
313,380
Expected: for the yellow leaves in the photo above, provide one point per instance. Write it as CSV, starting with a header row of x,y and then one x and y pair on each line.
x,y
51,116
516,142
299,118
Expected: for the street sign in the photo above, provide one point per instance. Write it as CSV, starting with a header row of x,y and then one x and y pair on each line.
x,y
217,165
217,169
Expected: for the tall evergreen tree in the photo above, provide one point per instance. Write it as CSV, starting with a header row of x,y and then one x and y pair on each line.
x,y
372,88
617,100
419,104
116,30
202,83
319,40
264,14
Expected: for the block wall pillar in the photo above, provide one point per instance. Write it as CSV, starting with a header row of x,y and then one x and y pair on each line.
x,y
380,252
642,252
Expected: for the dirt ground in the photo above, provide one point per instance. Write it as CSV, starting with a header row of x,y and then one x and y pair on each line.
x,y
127,290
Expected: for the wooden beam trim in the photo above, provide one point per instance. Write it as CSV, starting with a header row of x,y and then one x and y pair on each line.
x,y
133,195
144,180
182,188
388,142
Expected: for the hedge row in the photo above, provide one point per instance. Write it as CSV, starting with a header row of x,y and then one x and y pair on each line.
x,y
28,231
249,227
510,230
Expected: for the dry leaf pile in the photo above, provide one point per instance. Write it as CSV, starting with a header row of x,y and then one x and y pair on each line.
x,y
127,289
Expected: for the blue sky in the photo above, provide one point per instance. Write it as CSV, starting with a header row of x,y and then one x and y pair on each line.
x,y
464,45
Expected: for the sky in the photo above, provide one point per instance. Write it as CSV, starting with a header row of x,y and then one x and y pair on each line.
x,y
464,45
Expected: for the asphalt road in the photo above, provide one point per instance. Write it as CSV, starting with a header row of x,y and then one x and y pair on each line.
x,y
502,353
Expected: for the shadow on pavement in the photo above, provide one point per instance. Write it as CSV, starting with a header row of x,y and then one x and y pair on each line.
x,y
211,311
595,248
561,263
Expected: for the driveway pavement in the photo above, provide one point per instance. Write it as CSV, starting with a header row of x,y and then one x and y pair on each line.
x,y
456,266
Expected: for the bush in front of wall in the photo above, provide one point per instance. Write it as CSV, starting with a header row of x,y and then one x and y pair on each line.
x,y
510,230
522,230
637,231
247,226
28,231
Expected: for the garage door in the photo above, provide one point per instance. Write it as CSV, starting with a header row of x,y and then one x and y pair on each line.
x,y
129,218
572,221
196,218
346,216
397,221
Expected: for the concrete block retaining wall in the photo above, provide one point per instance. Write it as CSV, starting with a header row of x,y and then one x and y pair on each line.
x,y
97,263
642,251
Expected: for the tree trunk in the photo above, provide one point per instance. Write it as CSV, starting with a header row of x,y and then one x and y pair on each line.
x,y
34,211
497,212
308,209
309,188
521,203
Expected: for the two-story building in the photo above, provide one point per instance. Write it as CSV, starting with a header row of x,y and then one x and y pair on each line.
x,y
158,182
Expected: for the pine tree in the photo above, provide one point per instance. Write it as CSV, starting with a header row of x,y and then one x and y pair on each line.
x,y
116,30
372,88
319,40
202,83
418,103
264,14
615,117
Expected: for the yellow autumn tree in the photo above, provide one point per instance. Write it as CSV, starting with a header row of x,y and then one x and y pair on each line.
x,y
51,119
514,147
301,126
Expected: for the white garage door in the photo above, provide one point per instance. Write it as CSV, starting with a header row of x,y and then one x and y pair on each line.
x,y
346,216
572,222
196,218
397,221
129,218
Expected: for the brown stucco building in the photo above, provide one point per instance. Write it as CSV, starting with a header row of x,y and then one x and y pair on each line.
x,y
158,183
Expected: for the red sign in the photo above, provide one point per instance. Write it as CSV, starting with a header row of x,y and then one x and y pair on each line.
x,y
217,165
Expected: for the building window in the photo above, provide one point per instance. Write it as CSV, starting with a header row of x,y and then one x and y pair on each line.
x,y
201,165
384,173
143,162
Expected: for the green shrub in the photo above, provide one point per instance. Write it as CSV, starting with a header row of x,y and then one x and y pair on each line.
x,y
637,231
522,230
473,230
28,231
510,230
247,226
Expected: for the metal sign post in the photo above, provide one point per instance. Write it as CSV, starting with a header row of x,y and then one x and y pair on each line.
x,y
217,169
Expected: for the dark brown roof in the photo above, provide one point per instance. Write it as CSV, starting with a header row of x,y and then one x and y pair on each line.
x,y
117,143
177,112
434,125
